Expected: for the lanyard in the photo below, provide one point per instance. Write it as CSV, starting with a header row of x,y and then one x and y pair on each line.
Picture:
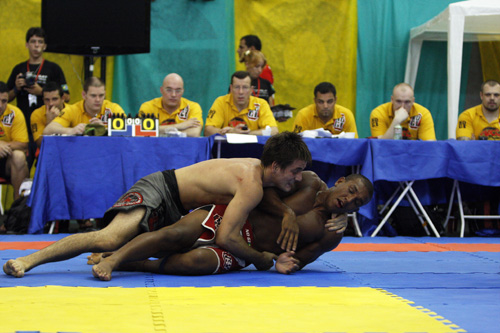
x,y
38,70
258,88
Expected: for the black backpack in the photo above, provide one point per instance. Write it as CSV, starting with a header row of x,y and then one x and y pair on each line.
x,y
18,216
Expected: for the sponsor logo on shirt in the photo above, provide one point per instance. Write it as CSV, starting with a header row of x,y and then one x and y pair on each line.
x,y
254,114
236,121
338,124
415,121
107,115
8,119
489,133
184,113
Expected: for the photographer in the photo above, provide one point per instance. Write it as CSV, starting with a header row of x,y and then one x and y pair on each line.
x,y
27,79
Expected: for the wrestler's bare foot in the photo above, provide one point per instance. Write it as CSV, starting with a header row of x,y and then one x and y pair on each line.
x,y
102,271
96,258
14,267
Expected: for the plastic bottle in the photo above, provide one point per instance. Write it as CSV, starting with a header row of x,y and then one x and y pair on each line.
x,y
398,132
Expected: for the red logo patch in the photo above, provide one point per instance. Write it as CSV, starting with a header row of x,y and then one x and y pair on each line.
x,y
132,198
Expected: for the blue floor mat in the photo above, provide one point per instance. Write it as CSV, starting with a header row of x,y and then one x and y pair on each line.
x,y
463,287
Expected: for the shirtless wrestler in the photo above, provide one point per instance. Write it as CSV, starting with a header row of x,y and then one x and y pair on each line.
x,y
188,247
162,198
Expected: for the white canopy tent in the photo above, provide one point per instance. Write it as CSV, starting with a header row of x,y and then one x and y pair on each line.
x,y
466,21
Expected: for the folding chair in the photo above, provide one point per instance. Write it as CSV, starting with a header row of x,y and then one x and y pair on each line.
x,y
456,188
415,203
355,224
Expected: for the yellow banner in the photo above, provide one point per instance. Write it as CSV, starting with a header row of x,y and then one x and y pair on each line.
x,y
305,43
17,17
490,60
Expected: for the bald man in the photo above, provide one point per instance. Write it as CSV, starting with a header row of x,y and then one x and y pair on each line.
x,y
174,111
415,119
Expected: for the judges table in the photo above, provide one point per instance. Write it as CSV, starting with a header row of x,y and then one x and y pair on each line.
x,y
81,177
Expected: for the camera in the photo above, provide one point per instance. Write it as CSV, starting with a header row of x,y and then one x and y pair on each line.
x,y
29,78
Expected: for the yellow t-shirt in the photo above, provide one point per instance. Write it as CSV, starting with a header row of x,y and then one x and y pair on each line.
x,y
341,121
473,124
419,124
38,121
186,110
224,113
75,114
13,125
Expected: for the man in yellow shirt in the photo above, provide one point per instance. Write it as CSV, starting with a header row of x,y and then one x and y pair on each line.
x,y
239,112
172,110
53,104
325,113
415,120
93,109
13,142
482,122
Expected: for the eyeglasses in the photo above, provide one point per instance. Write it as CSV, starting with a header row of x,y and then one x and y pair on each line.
x,y
243,88
170,90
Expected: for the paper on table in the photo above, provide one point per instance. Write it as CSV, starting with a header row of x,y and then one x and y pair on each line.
x,y
241,138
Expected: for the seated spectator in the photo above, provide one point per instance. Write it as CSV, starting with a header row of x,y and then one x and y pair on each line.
x,y
53,105
13,142
174,111
93,109
252,42
482,122
415,120
325,113
255,61
239,112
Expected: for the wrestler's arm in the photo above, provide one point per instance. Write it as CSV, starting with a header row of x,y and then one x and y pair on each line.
x,y
228,235
302,195
312,251
276,201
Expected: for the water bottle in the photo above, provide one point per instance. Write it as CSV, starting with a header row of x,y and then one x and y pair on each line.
x,y
398,132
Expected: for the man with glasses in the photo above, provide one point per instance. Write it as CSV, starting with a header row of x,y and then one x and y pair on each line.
x,y
239,111
174,112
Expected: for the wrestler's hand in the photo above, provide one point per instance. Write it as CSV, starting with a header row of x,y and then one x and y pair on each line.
x,y
286,263
337,223
289,235
266,261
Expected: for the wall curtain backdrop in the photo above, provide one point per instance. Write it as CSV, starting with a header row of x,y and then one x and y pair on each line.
x,y
305,42
384,31
490,59
359,45
191,38
16,18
